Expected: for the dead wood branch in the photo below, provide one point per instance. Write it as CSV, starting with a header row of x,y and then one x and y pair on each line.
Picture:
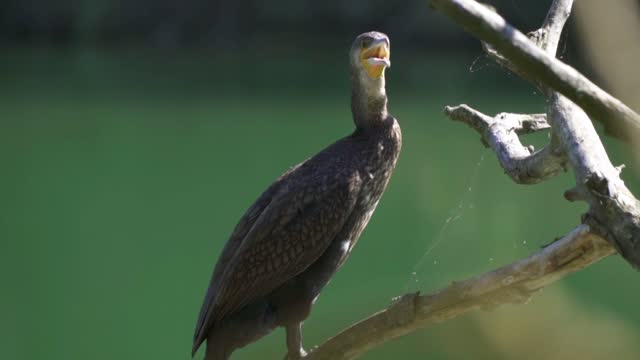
x,y
537,65
512,284
500,133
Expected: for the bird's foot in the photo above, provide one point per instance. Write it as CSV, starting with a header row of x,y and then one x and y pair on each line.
x,y
296,355
295,351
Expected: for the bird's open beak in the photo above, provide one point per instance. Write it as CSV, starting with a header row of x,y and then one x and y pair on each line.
x,y
375,58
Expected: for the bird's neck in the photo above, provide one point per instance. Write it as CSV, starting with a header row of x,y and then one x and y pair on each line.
x,y
368,102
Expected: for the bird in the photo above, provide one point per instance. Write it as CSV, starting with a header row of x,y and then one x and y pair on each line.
x,y
299,232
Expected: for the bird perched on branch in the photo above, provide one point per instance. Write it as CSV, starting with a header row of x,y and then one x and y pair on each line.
x,y
293,239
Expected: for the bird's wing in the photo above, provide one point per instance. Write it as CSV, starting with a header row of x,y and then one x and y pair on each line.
x,y
292,231
235,240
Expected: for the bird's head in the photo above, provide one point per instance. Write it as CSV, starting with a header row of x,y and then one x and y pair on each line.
x,y
370,54
369,57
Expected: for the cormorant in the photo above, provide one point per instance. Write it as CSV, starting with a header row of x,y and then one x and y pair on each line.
x,y
293,239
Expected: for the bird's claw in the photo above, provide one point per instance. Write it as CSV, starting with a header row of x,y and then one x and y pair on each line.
x,y
299,355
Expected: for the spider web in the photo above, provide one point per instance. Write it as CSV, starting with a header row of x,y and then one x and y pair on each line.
x,y
455,214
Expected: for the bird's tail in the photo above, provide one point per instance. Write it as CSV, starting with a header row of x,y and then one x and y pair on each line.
x,y
217,352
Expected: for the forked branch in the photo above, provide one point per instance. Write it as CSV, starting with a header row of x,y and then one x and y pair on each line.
x,y
537,65
521,163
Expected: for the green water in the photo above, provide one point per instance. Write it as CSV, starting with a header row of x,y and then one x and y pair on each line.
x,y
124,172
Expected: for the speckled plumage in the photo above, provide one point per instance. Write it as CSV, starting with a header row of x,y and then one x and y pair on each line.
x,y
290,242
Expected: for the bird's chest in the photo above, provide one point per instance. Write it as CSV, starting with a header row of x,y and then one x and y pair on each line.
x,y
375,175
376,172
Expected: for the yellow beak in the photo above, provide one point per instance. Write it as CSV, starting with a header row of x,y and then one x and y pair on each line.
x,y
375,59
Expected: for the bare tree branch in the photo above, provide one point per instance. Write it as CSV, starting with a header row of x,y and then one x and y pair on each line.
x,y
553,24
514,283
547,37
536,64
613,210
501,134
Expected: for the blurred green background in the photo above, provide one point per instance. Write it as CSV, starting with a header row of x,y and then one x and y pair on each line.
x,y
128,156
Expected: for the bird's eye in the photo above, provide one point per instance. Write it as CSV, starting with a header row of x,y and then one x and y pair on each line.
x,y
366,42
